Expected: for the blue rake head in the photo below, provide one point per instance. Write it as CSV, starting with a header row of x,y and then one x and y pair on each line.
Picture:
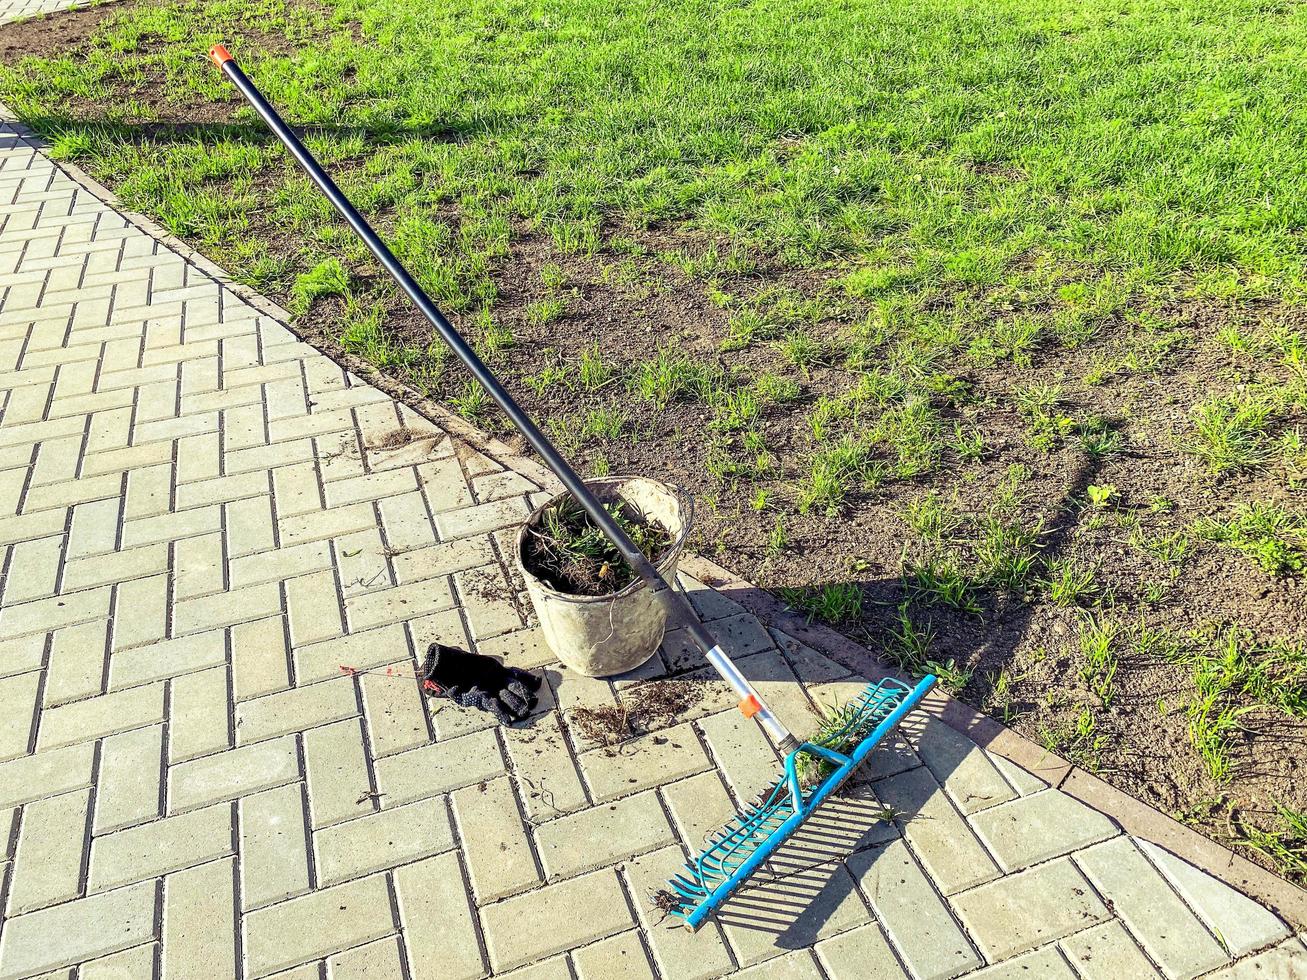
x,y
743,845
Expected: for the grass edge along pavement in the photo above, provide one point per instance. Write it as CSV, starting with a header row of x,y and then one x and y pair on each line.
x,y
1244,436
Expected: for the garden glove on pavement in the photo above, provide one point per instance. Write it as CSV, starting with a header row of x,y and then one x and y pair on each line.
x,y
476,681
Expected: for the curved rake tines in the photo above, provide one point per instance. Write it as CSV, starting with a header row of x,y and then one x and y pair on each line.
x,y
758,827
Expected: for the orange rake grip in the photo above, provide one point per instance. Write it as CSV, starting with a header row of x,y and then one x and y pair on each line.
x,y
749,706
219,55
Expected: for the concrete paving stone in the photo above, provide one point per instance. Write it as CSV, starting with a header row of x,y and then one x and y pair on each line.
x,y
249,526
316,925
643,762
166,658
743,754
499,858
1107,952
809,665
21,527
1035,828
172,527
709,603
1022,780
226,609
602,835
336,767
1047,962
57,496
259,662
227,775
433,891
199,566
306,971
487,602
765,918
107,714
76,931
622,955
140,613
699,806
394,836
151,849
318,525
24,654
434,560
48,861
34,570
545,921
46,773
149,489
438,768
369,487
380,960
128,784
199,925
573,690
273,846
198,458
296,489
130,964
266,457
959,765
114,566
198,719
444,485
280,564
859,953
677,952
1153,913
394,709
940,837
1240,923
1022,911
18,709
54,613
397,604
361,651
236,486
1287,961
361,562
296,710
795,965
917,922
546,775
468,521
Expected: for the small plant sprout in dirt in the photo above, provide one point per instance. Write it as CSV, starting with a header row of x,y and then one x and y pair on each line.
x,y
1275,538
838,602
1101,496
567,550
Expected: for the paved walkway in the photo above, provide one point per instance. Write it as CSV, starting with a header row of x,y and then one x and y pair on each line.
x,y
204,520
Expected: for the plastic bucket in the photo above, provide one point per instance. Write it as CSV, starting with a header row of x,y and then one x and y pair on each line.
x,y
610,634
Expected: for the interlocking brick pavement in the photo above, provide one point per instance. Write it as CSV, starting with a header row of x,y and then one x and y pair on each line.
x,y
203,519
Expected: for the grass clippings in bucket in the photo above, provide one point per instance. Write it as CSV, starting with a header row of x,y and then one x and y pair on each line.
x,y
567,551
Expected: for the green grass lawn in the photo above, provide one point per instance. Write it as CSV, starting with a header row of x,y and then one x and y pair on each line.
x,y
977,328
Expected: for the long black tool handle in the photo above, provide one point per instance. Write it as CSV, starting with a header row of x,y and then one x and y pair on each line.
x,y
676,603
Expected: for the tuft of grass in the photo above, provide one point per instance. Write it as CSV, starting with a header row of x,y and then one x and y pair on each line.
x,y
834,603
939,579
1006,552
1230,433
594,370
1071,583
932,518
1276,539
327,278
1285,846
1098,647
834,473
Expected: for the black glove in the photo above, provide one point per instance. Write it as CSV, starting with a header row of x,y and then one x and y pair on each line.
x,y
472,680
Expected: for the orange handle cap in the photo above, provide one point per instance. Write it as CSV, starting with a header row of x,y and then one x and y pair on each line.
x,y
219,55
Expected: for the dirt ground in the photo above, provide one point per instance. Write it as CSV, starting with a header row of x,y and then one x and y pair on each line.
x,y
1018,655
